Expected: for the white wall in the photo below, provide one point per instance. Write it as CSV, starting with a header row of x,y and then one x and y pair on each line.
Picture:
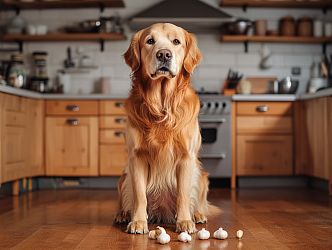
x,y
218,57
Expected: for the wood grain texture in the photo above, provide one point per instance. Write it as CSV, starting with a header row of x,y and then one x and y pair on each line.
x,y
264,155
316,134
112,107
14,138
112,136
264,124
65,37
113,121
83,219
113,159
274,108
72,150
35,127
56,107
234,145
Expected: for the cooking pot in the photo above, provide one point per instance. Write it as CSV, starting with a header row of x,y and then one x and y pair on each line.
x,y
239,27
285,86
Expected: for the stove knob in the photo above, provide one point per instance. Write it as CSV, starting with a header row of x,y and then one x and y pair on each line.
x,y
209,104
203,105
224,104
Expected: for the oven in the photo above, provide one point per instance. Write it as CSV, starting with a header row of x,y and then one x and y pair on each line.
x,y
215,122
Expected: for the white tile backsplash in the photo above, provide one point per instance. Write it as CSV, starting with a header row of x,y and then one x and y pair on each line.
x,y
218,56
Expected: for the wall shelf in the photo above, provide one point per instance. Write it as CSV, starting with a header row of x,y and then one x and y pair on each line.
x,y
319,4
64,37
18,5
276,39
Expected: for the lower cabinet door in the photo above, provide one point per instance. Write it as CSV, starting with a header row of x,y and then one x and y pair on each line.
x,y
264,155
72,146
113,159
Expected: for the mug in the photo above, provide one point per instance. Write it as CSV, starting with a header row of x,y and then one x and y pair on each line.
x,y
260,27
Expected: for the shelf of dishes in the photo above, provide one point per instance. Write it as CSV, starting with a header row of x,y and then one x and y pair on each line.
x,y
277,39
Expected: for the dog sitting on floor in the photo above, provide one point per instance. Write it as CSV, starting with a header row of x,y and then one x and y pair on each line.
x,y
163,181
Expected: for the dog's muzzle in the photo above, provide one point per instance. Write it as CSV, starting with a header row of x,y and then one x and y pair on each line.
x,y
164,57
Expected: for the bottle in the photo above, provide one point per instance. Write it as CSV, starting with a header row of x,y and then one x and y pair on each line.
x,y
16,76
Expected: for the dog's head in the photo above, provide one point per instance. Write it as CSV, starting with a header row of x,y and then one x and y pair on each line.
x,y
163,50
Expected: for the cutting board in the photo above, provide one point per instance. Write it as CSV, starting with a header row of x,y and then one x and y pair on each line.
x,y
259,84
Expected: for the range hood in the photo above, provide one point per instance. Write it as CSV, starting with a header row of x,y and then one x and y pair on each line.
x,y
192,15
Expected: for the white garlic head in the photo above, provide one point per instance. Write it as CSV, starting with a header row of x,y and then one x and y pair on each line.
x,y
184,236
239,234
203,234
163,238
220,234
153,234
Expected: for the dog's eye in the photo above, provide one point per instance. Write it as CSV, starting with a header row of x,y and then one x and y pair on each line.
x,y
150,41
176,41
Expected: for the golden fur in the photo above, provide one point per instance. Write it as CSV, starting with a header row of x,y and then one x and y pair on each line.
x,y
163,181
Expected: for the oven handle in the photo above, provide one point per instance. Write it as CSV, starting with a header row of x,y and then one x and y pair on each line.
x,y
215,156
220,120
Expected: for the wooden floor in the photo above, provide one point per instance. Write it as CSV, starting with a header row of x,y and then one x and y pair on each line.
x,y
83,219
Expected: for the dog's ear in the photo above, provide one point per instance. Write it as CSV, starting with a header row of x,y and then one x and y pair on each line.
x,y
193,55
133,54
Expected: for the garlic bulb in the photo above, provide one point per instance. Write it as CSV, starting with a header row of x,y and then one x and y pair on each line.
x,y
220,234
153,234
203,234
184,236
163,238
239,234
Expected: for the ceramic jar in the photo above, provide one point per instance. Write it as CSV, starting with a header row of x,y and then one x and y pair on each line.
x,y
287,26
304,26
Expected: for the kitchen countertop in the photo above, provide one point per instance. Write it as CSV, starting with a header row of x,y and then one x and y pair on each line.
x,y
265,98
36,95
237,97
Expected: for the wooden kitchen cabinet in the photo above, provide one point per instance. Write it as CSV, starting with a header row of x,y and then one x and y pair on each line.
x,y
113,150
264,155
262,139
72,146
313,137
14,140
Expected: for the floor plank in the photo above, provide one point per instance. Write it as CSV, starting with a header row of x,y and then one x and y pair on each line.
x,y
83,219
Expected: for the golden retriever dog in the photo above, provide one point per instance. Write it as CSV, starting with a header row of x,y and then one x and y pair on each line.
x,y
163,181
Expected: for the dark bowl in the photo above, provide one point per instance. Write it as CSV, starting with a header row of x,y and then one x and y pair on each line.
x,y
239,27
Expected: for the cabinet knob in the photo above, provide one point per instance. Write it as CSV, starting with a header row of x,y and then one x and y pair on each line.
x,y
262,108
72,121
73,108
120,120
119,134
119,104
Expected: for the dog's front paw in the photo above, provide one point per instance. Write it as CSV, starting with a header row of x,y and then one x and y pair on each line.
x,y
185,225
137,227
200,218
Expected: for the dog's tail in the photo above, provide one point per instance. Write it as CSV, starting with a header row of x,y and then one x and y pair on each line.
x,y
213,211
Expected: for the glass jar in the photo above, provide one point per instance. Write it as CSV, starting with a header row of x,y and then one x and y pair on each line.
x,y
16,75
40,64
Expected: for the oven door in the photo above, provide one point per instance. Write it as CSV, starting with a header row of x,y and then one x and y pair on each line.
x,y
216,146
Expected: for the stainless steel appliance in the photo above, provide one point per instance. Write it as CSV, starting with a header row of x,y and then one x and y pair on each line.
x,y
215,121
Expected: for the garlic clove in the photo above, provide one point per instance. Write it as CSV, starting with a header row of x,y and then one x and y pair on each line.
x,y
220,234
184,237
239,234
163,238
203,234
153,234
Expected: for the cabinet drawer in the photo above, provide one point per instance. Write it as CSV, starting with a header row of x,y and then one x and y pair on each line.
x,y
114,121
264,124
264,155
113,107
70,107
264,108
112,136
15,118
113,159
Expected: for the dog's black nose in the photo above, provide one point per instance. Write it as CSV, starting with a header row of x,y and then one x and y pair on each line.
x,y
164,55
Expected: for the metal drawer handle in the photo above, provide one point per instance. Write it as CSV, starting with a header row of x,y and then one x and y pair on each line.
x,y
119,104
73,108
262,108
119,134
72,121
120,120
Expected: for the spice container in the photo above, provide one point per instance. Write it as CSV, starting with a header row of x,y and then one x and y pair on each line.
x,y
287,26
304,26
40,64
16,75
